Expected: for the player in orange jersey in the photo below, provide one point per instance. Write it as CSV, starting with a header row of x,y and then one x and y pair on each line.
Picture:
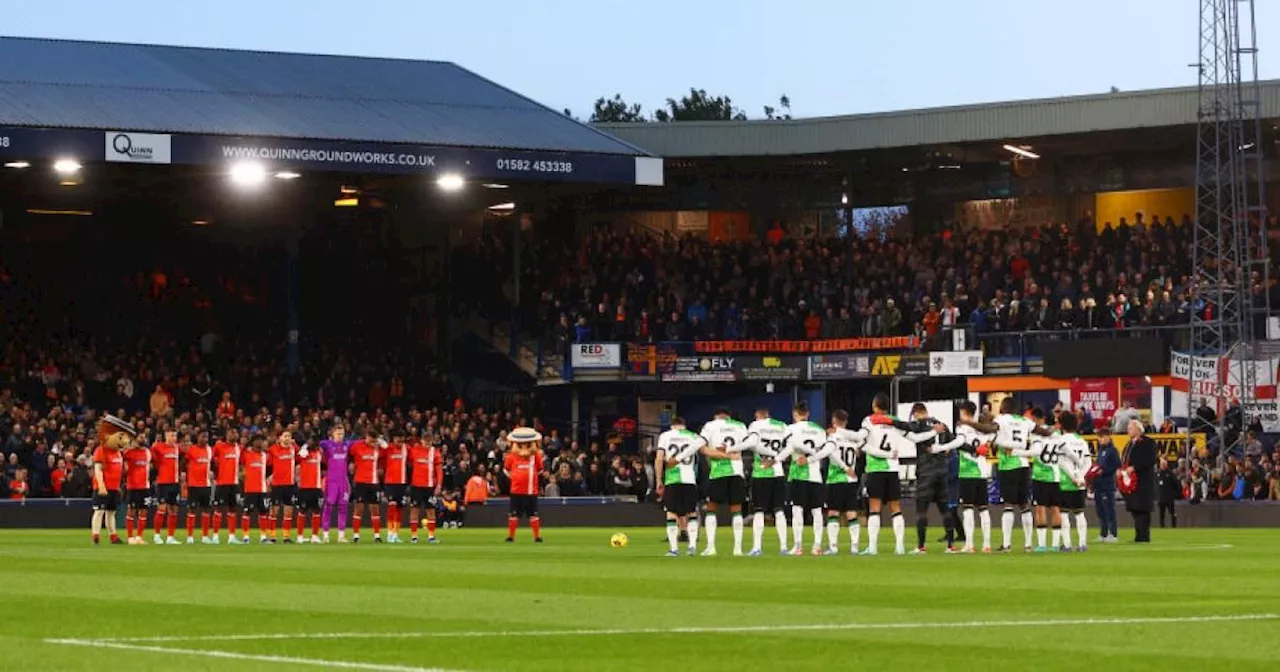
x,y
137,469
424,490
395,478
523,466
284,491
366,491
167,459
253,462
310,490
226,490
200,464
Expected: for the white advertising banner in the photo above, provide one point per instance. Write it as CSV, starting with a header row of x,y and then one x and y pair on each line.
x,y
596,355
1216,382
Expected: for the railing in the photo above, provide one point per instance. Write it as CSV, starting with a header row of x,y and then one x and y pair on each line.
x,y
1025,346
549,363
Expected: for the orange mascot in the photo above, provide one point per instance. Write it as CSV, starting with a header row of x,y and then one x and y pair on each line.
x,y
115,435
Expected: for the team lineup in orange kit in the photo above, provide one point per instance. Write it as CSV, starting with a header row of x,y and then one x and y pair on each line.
x,y
281,487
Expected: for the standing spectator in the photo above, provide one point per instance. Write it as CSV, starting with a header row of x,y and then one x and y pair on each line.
x,y
1170,491
160,403
1104,487
1140,455
1124,416
226,408
18,487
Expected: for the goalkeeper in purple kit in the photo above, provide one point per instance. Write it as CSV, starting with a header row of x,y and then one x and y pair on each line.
x,y
337,487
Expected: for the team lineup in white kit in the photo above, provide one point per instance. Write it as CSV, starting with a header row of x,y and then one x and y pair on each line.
x,y
788,474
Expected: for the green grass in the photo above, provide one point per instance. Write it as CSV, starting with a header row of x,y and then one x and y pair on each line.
x,y
57,586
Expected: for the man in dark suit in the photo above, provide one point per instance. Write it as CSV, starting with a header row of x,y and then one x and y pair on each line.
x,y
1141,455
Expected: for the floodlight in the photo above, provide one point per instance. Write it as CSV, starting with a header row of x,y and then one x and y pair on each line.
x,y
287,175
450,182
503,207
1022,151
18,164
66,166
248,174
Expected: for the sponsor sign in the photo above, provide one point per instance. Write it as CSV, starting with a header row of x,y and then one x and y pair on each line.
x,y
327,156
1170,446
804,347
907,366
596,355
125,147
704,369
1099,397
963,363
771,367
839,367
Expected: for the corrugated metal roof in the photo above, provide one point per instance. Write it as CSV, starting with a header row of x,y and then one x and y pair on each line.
x,y
970,123
58,83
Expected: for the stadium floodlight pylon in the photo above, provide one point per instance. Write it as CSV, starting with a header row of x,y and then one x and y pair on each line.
x,y
1229,254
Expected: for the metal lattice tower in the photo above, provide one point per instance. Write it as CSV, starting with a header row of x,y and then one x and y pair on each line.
x,y
1229,255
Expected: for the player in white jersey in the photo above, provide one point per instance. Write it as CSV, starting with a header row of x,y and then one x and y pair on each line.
x,y
678,482
843,496
768,480
974,473
1071,498
1012,432
726,438
803,440
886,437
1051,459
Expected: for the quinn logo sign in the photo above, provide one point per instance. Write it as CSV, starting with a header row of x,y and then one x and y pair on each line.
x,y
123,147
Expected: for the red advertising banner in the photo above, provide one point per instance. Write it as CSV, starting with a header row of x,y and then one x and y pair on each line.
x,y
1099,397
1102,397
803,347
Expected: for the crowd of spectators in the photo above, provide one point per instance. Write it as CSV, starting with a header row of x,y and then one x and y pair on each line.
x,y
636,286
112,324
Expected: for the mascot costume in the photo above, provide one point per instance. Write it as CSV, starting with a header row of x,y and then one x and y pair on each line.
x,y
523,467
114,437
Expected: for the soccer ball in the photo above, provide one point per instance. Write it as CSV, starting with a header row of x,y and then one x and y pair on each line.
x,y
618,540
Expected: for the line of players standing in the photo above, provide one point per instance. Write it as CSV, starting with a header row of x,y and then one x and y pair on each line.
x,y
862,478
228,482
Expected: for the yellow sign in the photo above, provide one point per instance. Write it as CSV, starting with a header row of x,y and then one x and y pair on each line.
x,y
1170,446
886,365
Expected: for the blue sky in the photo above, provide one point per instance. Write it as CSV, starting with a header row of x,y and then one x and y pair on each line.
x,y
829,56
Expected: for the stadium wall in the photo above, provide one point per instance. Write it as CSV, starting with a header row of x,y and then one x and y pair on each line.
x,y
591,512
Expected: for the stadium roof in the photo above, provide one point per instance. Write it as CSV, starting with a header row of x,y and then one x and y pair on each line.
x,y
163,89
997,122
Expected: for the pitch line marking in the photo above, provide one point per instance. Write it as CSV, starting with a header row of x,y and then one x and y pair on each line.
x,y
817,627
232,655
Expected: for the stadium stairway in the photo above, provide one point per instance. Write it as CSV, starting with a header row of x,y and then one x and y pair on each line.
x,y
522,352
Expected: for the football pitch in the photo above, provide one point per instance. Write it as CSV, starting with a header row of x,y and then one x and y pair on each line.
x,y
1195,599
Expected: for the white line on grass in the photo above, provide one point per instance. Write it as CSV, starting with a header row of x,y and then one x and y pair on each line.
x,y
701,629
232,655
